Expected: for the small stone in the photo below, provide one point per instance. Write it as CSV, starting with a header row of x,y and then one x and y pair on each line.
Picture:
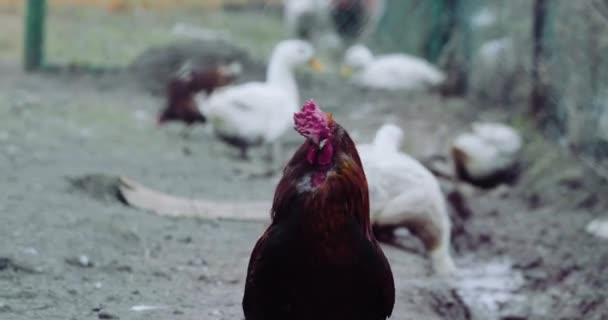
x,y
82,261
4,307
197,262
4,263
187,239
124,268
161,274
106,315
98,285
527,260
30,251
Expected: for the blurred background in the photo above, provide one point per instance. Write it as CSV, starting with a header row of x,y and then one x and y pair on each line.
x,y
83,86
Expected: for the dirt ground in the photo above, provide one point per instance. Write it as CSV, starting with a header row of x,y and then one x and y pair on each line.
x,y
72,251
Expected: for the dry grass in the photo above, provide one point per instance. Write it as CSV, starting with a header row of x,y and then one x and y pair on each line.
x,y
93,36
123,5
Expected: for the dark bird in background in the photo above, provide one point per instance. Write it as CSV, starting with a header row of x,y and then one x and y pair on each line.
x,y
186,84
348,17
333,23
354,18
319,259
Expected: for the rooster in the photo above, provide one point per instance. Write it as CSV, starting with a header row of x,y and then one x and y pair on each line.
x,y
319,259
183,88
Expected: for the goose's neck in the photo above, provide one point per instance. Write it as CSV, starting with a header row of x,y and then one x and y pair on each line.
x,y
281,75
386,144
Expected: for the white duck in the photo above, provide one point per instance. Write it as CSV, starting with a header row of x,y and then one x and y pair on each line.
x,y
391,71
488,155
257,113
403,193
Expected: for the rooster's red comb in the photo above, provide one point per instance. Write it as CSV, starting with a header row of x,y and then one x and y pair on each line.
x,y
311,122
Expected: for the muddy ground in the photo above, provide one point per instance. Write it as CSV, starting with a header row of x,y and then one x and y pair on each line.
x,y
72,251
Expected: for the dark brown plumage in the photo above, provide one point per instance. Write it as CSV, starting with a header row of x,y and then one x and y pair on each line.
x,y
352,18
319,259
183,88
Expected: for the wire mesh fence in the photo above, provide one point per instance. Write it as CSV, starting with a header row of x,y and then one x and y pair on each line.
x,y
494,42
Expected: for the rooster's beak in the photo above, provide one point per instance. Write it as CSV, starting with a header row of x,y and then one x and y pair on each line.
x,y
316,65
322,144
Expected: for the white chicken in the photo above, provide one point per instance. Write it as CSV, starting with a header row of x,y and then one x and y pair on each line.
x,y
391,71
403,193
257,113
488,155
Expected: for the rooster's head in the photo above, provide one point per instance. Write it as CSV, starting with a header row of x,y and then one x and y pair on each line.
x,y
328,153
325,173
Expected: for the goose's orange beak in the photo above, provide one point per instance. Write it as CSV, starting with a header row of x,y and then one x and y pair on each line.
x,y
316,65
346,71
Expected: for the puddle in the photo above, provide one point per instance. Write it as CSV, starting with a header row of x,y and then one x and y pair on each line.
x,y
490,288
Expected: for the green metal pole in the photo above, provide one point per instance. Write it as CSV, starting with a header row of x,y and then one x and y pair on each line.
x,y
34,34
437,30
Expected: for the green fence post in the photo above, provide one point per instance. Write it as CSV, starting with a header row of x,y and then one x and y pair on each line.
x,y
34,34
538,95
437,30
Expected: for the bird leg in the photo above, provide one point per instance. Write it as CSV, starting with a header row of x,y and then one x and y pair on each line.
x,y
269,167
386,235
244,153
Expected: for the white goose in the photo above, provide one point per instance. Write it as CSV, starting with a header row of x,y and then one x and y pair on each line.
x,y
257,113
391,71
488,155
403,193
